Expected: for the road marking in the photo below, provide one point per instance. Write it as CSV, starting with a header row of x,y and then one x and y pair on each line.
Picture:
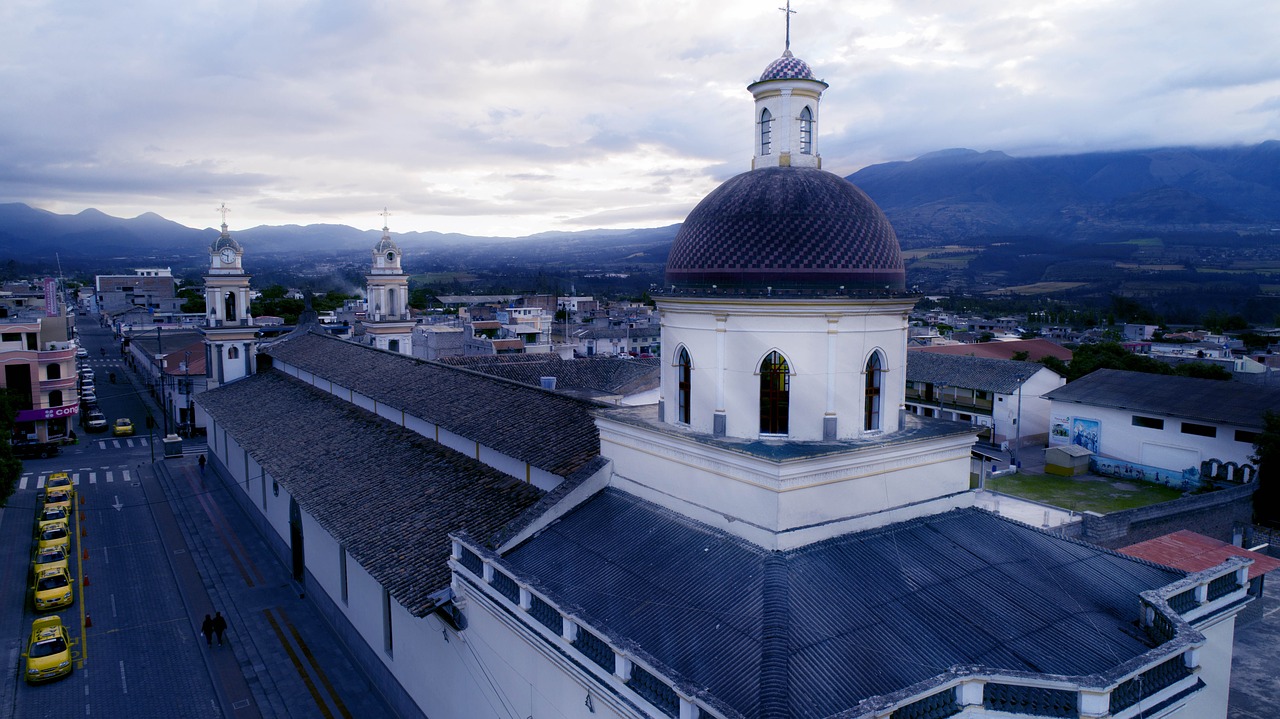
x,y
108,476
93,477
126,476
107,560
128,443
40,481
102,444
22,483
123,684
75,478
143,440
117,505
115,443
113,606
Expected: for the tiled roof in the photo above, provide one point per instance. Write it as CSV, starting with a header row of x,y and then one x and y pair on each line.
x,y
991,375
786,227
821,628
603,375
1205,400
508,417
787,67
1193,552
1036,349
387,494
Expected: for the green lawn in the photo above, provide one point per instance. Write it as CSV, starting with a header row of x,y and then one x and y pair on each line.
x,y
1081,494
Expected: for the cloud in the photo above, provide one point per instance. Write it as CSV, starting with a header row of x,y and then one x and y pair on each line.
x,y
490,117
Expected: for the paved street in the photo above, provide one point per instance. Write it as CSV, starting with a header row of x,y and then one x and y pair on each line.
x,y
159,545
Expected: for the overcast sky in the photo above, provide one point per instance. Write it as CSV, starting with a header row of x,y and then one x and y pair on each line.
x,y
509,118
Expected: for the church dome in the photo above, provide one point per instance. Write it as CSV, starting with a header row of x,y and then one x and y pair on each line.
x,y
224,240
786,228
385,244
787,67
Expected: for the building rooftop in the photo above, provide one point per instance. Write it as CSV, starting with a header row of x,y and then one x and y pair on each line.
x,y
595,375
506,416
1205,400
390,496
982,373
814,631
1036,349
1191,552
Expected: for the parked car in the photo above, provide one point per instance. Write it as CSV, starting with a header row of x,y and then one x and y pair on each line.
x,y
89,396
52,590
49,514
86,373
82,352
54,535
48,558
59,481
86,385
49,651
30,450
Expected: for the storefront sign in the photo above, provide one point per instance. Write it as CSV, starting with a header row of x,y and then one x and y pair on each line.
x,y
51,297
35,415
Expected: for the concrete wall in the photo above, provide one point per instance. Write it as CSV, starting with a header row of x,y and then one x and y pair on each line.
x,y
1214,514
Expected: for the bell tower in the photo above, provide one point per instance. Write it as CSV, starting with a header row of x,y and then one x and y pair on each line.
x,y
230,342
387,324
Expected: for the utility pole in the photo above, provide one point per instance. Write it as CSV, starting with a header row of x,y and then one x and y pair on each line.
x,y
186,369
164,399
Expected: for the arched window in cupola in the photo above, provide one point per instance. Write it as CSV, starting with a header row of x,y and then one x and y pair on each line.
x,y
806,131
775,394
684,385
766,130
874,377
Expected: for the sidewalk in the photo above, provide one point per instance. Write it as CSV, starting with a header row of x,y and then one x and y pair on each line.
x,y
283,659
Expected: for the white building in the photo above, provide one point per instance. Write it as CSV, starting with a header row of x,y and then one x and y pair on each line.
x,y
1187,428
230,335
387,324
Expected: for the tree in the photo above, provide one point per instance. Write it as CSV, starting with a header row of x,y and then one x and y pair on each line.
x,y
1266,457
10,466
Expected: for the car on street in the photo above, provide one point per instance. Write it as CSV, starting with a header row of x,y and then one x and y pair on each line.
x,y
94,420
82,353
32,450
49,651
50,514
87,385
48,558
86,373
57,534
59,481
89,396
58,498
52,590
123,427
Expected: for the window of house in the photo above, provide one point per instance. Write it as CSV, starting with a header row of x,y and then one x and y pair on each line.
x,y
684,385
806,131
233,353
11,337
1199,430
1243,435
871,411
53,371
55,398
775,394
766,129
1148,422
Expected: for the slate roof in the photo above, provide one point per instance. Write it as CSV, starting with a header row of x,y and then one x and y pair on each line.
x,y
387,494
992,375
811,632
551,431
1204,400
598,375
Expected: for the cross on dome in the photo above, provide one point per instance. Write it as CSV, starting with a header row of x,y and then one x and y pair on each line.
x,y
789,12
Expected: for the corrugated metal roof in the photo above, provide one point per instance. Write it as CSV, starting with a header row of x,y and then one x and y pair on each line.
x,y
387,494
984,373
863,615
1213,401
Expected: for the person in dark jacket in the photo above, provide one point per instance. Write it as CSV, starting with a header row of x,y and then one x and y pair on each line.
x,y
219,625
207,630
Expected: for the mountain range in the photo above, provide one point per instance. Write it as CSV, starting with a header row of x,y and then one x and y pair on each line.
x,y
952,195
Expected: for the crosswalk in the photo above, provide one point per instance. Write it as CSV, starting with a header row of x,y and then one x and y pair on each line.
x,y
122,443
83,475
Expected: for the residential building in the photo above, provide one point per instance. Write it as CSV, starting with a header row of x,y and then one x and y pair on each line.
x,y
1004,397
149,288
39,361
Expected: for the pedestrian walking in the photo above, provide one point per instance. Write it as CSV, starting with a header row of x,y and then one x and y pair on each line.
x,y
219,625
201,462
207,630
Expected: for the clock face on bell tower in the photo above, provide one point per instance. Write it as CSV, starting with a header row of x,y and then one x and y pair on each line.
x,y
228,256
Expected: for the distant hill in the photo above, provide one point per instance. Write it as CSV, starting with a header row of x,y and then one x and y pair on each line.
x,y
957,194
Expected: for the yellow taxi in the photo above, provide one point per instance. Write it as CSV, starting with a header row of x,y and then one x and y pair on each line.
x,y
57,534
52,589
123,427
51,513
49,652
49,558
58,498
59,482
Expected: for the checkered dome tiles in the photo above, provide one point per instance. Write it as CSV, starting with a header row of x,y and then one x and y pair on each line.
x,y
787,67
786,227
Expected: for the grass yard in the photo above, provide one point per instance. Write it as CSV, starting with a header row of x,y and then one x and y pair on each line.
x,y
1083,494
